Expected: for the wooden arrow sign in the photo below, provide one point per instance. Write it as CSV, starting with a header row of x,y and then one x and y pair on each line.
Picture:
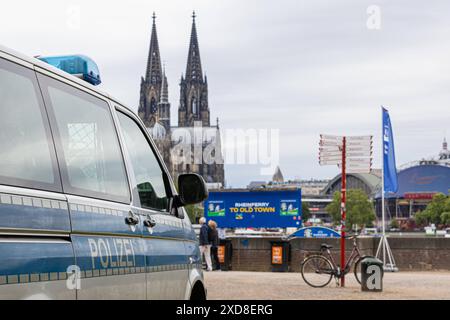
x,y
329,162
357,167
358,154
358,170
330,159
359,148
334,148
330,137
356,161
330,154
352,139
359,144
330,143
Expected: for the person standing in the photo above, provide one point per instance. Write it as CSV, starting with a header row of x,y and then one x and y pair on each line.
x,y
205,246
214,240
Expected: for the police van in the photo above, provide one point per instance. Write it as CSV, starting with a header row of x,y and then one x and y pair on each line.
x,y
88,209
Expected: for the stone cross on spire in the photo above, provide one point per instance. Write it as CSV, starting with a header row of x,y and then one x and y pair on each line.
x,y
194,65
151,82
153,73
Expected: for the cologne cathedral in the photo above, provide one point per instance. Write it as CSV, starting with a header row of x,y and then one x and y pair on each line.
x,y
183,148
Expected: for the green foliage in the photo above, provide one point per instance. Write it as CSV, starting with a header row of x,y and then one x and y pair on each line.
x,y
445,217
194,212
306,213
437,211
422,218
394,224
360,210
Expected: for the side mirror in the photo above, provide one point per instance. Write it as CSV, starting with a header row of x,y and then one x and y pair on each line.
x,y
192,188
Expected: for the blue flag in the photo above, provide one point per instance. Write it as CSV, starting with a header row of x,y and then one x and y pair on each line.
x,y
389,169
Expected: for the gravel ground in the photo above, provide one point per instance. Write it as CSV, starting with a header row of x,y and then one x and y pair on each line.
x,y
239,285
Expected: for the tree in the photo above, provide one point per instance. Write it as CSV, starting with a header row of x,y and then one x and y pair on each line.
x,y
306,213
445,218
360,210
194,212
422,218
394,224
434,212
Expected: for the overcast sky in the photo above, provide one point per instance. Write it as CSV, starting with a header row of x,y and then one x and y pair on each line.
x,y
303,67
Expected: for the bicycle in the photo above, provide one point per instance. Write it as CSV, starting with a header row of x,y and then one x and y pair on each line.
x,y
318,269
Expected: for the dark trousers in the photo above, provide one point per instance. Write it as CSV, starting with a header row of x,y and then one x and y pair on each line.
x,y
215,256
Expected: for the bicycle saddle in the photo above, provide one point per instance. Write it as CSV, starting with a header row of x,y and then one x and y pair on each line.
x,y
325,246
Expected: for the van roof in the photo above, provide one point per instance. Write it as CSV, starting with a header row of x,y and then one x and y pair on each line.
x,y
42,65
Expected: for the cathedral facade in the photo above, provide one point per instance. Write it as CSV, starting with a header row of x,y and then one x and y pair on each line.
x,y
194,145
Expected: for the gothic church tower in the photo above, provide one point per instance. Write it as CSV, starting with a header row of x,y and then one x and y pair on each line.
x,y
154,106
151,85
193,87
154,110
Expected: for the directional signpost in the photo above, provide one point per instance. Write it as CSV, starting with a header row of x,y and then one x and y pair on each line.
x,y
352,154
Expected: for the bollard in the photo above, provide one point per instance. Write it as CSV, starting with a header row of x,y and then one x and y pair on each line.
x,y
371,274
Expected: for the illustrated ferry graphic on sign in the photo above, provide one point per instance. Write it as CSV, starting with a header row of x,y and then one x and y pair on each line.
x,y
287,208
215,210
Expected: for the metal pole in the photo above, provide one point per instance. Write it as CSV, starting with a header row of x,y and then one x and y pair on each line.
x,y
383,228
410,207
343,199
396,209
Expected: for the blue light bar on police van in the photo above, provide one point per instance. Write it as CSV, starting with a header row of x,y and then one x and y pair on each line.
x,y
78,65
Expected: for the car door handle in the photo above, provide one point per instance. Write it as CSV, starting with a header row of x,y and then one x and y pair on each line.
x,y
193,260
132,219
149,222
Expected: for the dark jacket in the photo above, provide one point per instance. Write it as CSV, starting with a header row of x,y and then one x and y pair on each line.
x,y
213,237
204,231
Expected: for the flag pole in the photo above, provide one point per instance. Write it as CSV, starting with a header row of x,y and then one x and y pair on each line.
x,y
383,221
343,210
384,245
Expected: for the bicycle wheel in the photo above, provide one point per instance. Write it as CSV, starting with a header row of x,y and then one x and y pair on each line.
x,y
357,269
317,271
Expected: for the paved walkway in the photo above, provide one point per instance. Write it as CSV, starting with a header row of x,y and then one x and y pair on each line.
x,y
237,285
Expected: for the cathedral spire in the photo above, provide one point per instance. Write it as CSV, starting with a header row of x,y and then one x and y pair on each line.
x,y
151,83
193,87
153,74
278,176
194,66
164,88
164,105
